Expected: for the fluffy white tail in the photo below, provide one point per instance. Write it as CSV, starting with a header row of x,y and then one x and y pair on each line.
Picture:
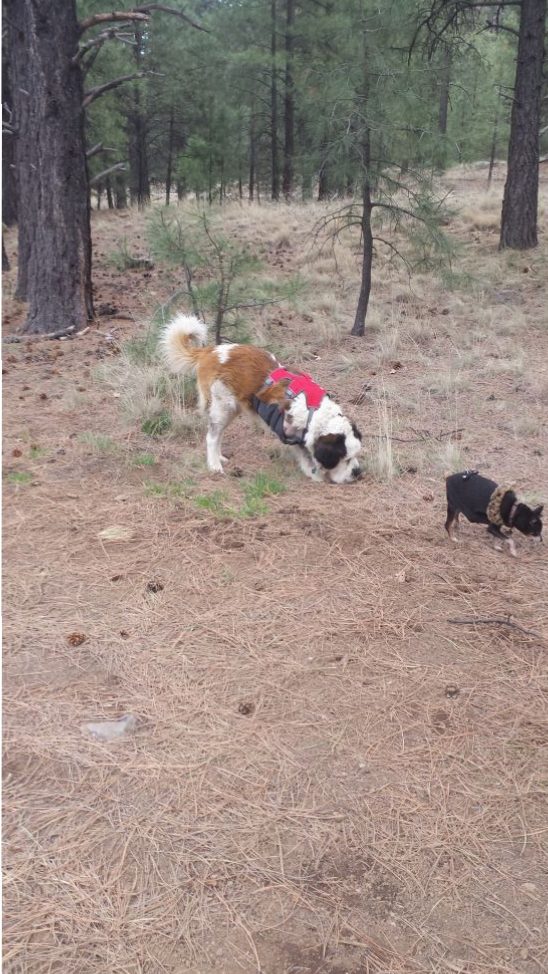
x,y
176,345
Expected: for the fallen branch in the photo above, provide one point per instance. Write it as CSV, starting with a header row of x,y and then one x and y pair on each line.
x,y
496,621
63,333
426,435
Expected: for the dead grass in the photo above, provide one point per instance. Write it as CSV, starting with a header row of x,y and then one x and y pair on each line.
x,y
328,774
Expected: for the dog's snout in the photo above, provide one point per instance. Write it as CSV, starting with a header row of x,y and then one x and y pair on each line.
x,y
357,473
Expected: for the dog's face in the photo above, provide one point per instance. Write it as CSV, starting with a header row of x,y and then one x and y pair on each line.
x,y
337,454
528,520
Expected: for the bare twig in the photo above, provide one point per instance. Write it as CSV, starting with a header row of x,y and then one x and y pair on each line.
x,y
118,167
114,15
163,8
426,435
495,621
112,33
94,93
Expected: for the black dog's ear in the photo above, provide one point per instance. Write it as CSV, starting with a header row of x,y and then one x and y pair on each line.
x,y
537,511
329,450
356,432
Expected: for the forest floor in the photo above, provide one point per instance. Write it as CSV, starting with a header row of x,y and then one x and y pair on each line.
x,y
340,764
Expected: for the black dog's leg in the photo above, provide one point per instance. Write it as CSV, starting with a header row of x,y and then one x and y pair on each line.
x,y
452,522
496,532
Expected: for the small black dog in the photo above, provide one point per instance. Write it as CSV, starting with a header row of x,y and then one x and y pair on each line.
x,y
482,501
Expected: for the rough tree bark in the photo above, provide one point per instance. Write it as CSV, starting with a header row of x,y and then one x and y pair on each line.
x,y
274,105
493,152
170,142
139,181
9,182
54,221
120,191
358,328
445,83
252,155
289,103
520,203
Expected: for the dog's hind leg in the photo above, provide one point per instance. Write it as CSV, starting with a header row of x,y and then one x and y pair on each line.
x,y
452,523
223,408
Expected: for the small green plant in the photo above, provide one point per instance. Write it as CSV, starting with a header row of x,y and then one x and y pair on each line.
x,y
99,442
158,424
168,491
18,477
120,258
215,503
143,460
260,487
36,452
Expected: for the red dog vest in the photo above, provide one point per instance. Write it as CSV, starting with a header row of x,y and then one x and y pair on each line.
x,y
300,383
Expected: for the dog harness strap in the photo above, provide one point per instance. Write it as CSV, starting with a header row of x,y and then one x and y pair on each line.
x,y
512,513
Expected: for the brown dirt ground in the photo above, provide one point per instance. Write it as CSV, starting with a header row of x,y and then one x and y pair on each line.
x,y
328,775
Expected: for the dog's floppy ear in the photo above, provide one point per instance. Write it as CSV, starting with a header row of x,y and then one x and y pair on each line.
x,y
356,432
276,393
330,449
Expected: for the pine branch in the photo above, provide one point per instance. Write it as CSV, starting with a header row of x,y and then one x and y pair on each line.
x,y
118,167
94,93
148,8
114,15
99,148
112,33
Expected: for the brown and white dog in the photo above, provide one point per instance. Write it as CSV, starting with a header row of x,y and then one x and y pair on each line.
x,y
235,378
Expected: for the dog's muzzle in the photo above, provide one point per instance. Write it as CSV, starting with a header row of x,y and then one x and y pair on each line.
x,y
357,473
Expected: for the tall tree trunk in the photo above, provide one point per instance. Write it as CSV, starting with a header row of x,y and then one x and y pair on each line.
x,y
358,328
108,188
289,103
54,217
493,152
169,169
274,106
139,181
120,192
5,259
252,155
9,182
520,203
445,82
323,181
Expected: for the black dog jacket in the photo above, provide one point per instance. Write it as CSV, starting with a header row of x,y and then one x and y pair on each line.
x,y
470,493
273,416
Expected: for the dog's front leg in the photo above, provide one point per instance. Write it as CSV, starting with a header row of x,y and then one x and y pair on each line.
x,y
499,535
307,464
213,447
